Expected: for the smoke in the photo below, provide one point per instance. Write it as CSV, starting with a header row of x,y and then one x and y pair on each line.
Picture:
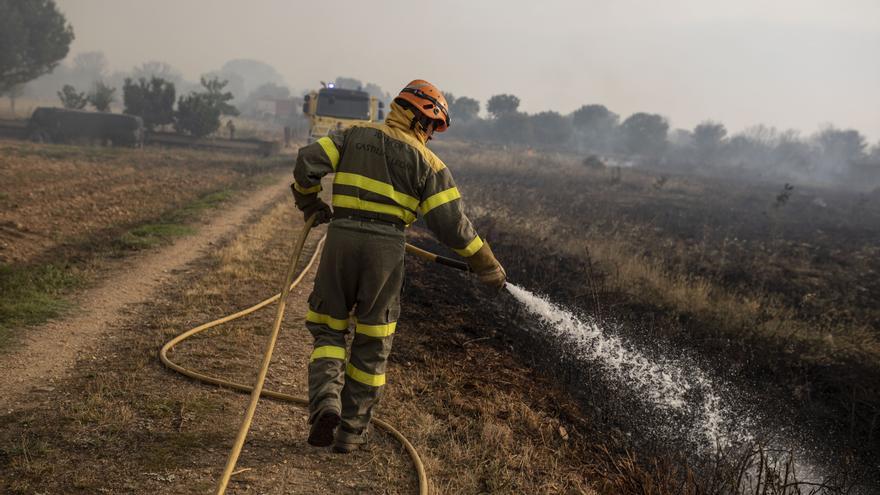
x,y
830,156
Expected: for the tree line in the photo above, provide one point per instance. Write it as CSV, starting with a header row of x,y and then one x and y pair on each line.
x,y
647,138
591,127
35,37
197,114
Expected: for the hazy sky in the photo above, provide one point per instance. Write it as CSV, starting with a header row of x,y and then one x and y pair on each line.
x,y
787,63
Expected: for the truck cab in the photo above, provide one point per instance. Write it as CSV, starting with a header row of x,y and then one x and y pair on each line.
x,y
335,108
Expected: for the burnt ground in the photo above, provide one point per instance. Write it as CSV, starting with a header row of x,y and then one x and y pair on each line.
x,y
670,261
753,384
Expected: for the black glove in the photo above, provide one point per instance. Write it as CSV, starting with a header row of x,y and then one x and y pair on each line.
x,y
319,208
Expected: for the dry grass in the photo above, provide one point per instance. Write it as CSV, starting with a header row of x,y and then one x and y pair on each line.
x,y
151,425
129,426
643,260
56,195
485,430
67,209
649,279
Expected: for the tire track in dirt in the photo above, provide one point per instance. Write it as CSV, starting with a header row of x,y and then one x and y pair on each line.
x,y
47,352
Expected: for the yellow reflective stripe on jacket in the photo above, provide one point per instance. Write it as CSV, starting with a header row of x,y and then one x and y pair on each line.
x,y
322,319
364,377
376,330
330,149
441,198
328,351
346,201
471,248
307,190
378,187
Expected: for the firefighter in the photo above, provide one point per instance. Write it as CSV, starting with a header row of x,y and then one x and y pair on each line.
x,y
384,177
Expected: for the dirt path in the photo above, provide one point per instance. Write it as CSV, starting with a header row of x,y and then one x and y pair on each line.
x,y
49,351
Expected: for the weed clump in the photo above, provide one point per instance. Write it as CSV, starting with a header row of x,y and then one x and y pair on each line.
x,y
32,294
154,234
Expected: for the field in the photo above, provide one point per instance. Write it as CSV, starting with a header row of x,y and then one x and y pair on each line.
x,y
772,293
775,290
66,210
128,430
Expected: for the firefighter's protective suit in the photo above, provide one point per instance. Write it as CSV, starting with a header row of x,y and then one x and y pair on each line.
x,y
384,177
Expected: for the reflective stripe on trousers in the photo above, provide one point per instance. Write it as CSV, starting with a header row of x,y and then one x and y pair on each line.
x,y
361,272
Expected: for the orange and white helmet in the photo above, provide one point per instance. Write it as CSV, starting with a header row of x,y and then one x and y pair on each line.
x,y
425,97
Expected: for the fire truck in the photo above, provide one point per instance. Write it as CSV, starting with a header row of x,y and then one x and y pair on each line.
x,y
336,108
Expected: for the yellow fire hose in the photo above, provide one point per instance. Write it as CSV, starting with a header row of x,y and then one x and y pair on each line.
x,y
257,389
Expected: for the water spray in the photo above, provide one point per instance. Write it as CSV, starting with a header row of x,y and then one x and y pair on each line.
x,y
704,416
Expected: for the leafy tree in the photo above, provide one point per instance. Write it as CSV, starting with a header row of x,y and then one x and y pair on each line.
x,y
849,144
503,104
753,147
550,128
682,138
792,151
102,96
590,117
596,126
708,138
34,37
644,133
464,109
235,83
152,101
513,127
197,115
217,97
840,148
875,153
709,134
72,100
157,69
88,68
